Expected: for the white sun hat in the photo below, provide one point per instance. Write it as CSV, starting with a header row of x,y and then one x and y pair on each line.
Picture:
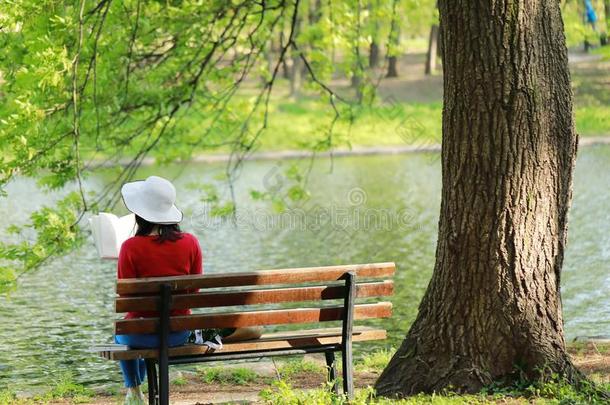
x,y
152,199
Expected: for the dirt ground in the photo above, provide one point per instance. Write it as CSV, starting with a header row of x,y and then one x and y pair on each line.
x,y
593,361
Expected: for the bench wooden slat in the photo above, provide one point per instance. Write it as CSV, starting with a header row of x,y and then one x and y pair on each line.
x,y
270,341
254,297
262,277
254,318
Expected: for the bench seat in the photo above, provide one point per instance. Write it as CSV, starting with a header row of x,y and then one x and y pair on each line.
x,y
269,341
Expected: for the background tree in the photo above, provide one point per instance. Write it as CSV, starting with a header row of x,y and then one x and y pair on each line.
x,y
296,68
492,310
432,50
374,51
393,46
607,19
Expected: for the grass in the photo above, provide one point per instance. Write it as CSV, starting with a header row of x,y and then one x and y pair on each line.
x,y
552,392
303,124
593,120
581,348
222,375
375,361
292,368
604,51
179,381
390,123
7,397
282,393
64,388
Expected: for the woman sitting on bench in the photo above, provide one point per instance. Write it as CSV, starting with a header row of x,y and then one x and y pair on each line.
x,y
158,249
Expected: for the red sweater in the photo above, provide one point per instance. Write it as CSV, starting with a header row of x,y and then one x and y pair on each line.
x,y
142,256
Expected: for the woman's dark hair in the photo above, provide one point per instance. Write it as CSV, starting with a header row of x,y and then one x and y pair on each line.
x,y
169,232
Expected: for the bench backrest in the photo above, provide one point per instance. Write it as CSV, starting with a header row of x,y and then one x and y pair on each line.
x,y
315,284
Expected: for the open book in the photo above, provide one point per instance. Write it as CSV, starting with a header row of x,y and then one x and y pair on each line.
x,y
109,233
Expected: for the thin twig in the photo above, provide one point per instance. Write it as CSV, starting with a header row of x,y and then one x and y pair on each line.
x,y
76,107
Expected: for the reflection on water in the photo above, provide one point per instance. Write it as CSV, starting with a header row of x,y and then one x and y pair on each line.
x,y
368,209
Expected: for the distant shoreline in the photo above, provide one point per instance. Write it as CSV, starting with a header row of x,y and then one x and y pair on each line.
x,y
356,151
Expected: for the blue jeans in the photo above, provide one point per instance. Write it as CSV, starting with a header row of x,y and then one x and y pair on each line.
x,y
134,371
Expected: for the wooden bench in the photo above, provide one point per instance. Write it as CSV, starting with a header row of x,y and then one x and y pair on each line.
x,y
237,290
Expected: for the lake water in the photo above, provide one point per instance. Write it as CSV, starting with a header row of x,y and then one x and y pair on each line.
x,y
361,210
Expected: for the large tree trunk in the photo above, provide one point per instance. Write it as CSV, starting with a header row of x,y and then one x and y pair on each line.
x,y
493,304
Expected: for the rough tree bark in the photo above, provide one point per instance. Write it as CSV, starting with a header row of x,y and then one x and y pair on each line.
x,y
493,304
